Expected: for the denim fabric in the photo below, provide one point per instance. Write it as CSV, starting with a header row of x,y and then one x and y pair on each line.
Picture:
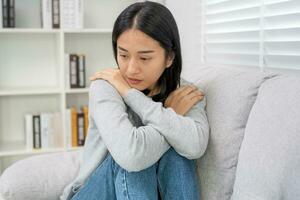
x,y
172,177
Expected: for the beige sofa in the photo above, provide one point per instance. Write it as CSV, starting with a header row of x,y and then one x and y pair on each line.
x,y
253,152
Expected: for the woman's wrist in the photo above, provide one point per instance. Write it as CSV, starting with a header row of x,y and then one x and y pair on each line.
x,y
124,91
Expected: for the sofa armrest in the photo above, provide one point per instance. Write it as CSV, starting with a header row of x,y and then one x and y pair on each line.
x,y
40,177
269,159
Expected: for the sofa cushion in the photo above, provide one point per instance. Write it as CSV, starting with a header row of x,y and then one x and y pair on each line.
x,y
22,181
230,95
269,160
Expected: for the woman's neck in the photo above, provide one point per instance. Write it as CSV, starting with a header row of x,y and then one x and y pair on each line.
x,y
154,91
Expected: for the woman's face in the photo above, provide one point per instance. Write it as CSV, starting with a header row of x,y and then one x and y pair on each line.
x,y
141,59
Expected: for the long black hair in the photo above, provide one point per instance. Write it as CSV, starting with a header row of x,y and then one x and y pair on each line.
x,y
156,21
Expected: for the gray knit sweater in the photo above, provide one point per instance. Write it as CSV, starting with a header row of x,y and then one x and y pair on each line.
x,y
136,131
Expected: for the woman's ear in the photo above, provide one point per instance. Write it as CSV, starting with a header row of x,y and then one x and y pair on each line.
x,y
170,59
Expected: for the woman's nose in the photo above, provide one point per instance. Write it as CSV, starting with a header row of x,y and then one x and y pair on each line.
x,y
133,67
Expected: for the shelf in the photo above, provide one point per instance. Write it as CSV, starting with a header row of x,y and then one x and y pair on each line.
x,y
33,75
88,31
79,90
40,30
19,149
74,148
28,30
18,92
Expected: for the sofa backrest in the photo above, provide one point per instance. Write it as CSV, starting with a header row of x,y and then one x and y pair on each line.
x,y
230,96
269,160
54,171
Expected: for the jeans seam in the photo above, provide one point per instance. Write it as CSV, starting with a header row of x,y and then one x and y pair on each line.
x,y
160,192
125,186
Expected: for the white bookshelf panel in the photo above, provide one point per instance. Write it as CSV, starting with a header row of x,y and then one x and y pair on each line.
x,y
28,13
91,30
14,92
14,108
97,48
29,61
28,30
78,100
32,70
8,149
102,13
77,90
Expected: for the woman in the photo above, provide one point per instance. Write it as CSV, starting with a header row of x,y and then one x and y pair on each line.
x,y
144,129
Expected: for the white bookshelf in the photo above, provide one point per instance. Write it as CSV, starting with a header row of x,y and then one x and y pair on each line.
x,y
32,71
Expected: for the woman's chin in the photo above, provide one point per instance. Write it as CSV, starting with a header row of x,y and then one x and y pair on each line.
x,y
138,87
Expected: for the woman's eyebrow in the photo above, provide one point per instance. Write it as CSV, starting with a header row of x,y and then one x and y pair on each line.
x,y
144,51
121,48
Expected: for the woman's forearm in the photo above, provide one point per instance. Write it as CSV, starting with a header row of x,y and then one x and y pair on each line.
x,y
133,148
188,135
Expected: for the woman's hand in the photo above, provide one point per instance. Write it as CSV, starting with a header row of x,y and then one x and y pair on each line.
x,y
183,98
114,77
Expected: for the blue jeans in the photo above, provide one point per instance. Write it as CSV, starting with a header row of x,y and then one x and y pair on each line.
x,y
172,177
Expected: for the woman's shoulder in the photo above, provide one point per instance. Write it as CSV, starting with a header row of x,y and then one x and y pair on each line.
x,y
185,82
199,107
102,87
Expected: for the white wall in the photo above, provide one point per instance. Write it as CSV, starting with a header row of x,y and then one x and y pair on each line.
x,y
185,13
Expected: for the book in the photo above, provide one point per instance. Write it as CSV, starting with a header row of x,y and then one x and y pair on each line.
x,y
74,127
11,13
43,130
67,13
36,132
68,128
67,71
57,139
80,124
55,14
71,14
1,15
81,71
85,111
74,71
5,14
79,14
46,8
46,130
29,131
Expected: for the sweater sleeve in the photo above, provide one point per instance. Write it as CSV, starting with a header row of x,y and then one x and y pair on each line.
x,y
188,134
133,148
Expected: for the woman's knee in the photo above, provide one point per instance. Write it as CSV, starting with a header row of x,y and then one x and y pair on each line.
x,y
136,185
174,160
171,155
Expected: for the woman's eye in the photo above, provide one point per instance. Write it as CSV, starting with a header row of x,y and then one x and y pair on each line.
x,y
144,59
124,56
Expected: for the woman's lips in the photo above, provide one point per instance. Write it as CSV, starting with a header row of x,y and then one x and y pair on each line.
x,y
133,81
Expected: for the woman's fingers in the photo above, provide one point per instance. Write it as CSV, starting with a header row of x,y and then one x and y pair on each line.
x,y
96,75
194,97
186,90
105,73
184,98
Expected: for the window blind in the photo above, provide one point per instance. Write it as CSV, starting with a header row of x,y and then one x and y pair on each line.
x,y
258,33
